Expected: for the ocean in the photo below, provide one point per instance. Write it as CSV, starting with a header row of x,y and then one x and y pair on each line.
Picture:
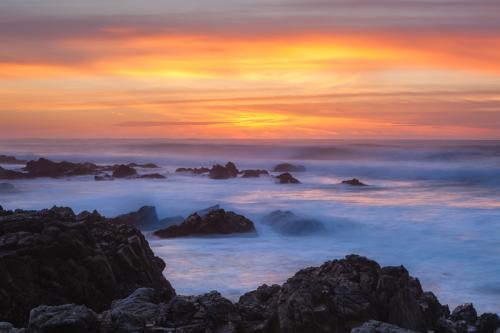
x,y
432,206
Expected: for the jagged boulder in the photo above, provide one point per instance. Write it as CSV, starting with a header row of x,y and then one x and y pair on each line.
x,y
47,168
124,171
52,257
287,178
223,172
143,218
341,295
63,318
215,222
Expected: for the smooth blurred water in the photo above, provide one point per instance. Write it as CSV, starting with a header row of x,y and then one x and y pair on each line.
x,y
431,206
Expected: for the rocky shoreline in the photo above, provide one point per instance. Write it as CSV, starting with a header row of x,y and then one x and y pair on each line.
x,y
62,272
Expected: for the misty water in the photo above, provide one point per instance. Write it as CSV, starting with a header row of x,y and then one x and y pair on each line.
x,y
432,206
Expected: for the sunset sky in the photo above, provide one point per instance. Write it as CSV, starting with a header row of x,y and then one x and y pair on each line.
x,y
269,69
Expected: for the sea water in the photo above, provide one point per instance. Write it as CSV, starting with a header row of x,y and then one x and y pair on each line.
x,y
432,206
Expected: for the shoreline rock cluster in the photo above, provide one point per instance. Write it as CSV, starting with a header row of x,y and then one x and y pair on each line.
x,y
63,272
47,168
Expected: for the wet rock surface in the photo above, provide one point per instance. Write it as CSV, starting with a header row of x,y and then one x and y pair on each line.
x,y
288,167
4,159
223,172
353,182
61,272
124,171
145,217
287,178
54,257
214,222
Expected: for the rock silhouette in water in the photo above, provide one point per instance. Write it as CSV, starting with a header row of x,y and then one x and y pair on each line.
x,y
287,178
287,167
215,222
143,218
353,182
223,172
4,159
288,223
124,171
253,173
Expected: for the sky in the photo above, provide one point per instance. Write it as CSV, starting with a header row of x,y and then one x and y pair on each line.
x,y
274,69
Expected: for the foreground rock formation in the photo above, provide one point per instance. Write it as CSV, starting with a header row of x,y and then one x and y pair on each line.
x,y
62,272
213,222
54,257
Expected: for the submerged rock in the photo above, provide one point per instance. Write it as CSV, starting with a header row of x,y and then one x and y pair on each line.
x,y
215,222
4,159
196,171
253,173
353,182
223,172
153,176
145,217
145,166
170,221
47,168
288,223
287,178
11,174
52,257
124,171
105,177
287,167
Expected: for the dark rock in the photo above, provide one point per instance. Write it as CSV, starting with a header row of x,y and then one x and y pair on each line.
x,y
11,174
145,166
4,159
219,172
145,217
171,220
204,212
105,177
253,173
52,257
465,312
488,323
341,295
137,312
288,223
123,171
287,167
63,318
353,182
217,222
46,168
445,325
153,176
196,171
258,309
145,311
205,313
231,169
286,178
7,188
374,326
